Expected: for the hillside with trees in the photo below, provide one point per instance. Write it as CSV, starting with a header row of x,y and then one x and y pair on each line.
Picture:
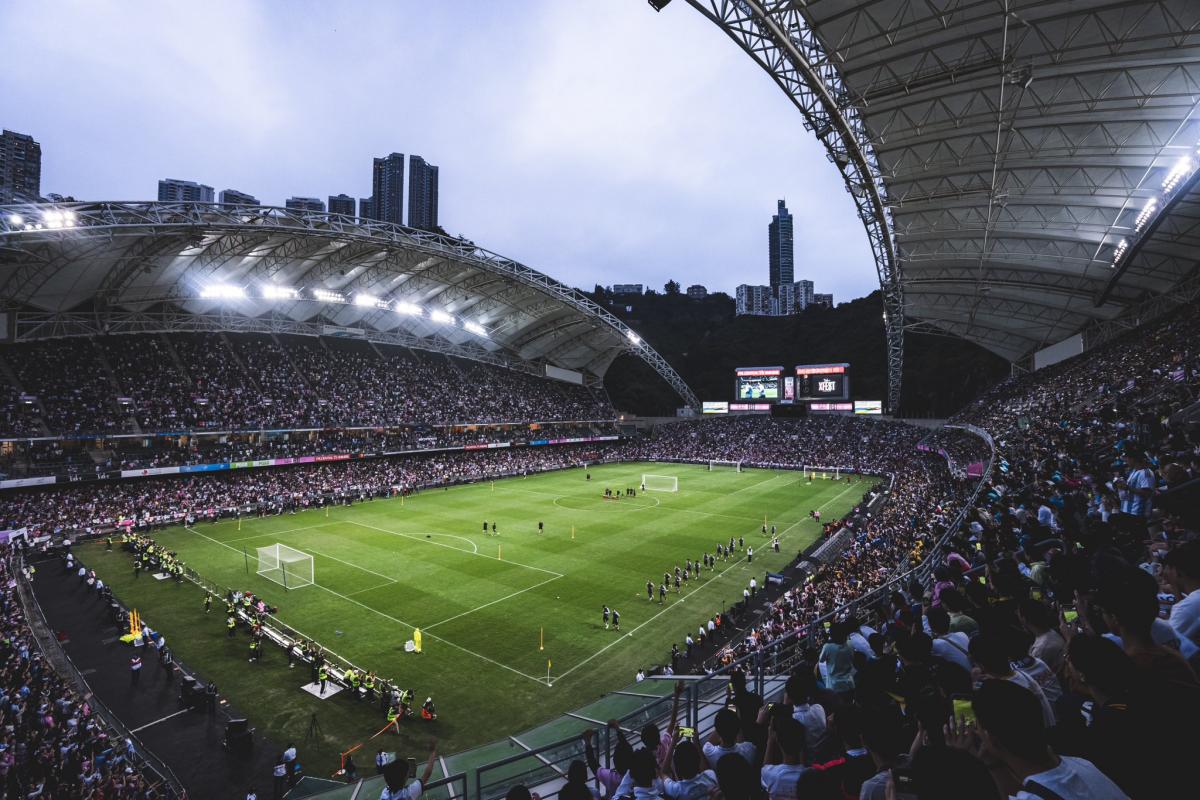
x,y
705,342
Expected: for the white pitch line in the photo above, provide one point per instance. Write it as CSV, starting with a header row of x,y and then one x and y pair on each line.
x,y
348,599
485,605
753,485
659,506
272,533
721,574
416,537
349,564
371,588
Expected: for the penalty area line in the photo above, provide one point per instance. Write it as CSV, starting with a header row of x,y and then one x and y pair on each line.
x,y
416,537
492,603
409,625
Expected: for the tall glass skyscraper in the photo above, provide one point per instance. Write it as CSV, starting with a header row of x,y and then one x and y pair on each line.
x,y
20,168
387,189
422,194
782,255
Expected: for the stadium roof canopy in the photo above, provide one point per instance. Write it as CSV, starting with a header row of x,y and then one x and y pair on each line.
x,y
96,268
1023,168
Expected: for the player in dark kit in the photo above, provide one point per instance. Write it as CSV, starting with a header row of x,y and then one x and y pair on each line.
x,y
541,527
616,620
485,527
677,583
650,590
606,613
662,593
494,530
667,578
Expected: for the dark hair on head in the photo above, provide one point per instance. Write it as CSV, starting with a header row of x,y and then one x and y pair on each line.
x,y
952,600
1037,613
801,685
651,736
947,773
1012,717
518,792
576,787
1101,663
939,620
736,778
989,651
1131,597
1185,559
848,722
395,774
727,725
1017,642
818,784
686,760
790,733
643,768
838,633
737,678
883,732
914,646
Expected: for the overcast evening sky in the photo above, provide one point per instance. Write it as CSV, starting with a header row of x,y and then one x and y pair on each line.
x,y
594,140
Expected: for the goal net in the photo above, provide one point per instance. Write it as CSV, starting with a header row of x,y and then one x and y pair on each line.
x,y
736,466
660,483
285,565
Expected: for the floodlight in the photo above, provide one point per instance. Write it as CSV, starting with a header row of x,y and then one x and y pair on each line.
x,y
438,315
1183,167
411,309
1122,246
1146,213
364,299
326,296
475,328
15,219
633,337
223,291
273,292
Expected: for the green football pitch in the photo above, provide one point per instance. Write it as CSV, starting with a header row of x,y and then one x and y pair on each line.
x,y
511,624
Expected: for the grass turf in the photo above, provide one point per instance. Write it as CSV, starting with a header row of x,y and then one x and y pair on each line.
x,y
481,602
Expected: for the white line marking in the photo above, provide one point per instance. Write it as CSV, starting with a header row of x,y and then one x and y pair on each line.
x,y
416,537
394,619
272,533
370,588
741,561
754,485
485,605
161,719
349,564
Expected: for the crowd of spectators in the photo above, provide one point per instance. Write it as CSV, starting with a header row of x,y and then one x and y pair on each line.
x,y
52,743
200,381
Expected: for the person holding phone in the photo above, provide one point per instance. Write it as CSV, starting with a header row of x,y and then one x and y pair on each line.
x,y
397,773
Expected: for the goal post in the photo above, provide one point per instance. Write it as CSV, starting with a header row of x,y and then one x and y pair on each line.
x,y
287,566
660,483
736,466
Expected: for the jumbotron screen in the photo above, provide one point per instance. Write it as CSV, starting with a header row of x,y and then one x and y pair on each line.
x,y
758,383
823,382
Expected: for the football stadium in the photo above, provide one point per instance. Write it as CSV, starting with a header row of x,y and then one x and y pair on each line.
x,y
313,500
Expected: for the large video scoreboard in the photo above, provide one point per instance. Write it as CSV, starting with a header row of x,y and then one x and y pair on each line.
x,y
758,384
823,382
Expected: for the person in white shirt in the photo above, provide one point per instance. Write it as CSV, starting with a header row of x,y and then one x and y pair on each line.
x,y
784,759
990,655
690,782
948,645
800,691
395,775
726,727
1181,569
1012,730
1137,489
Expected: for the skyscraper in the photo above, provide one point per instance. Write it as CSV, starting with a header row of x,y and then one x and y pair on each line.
x,y
366,208
304,204
20,168
387,189
341,204
173,190
422,194
782,256
232,197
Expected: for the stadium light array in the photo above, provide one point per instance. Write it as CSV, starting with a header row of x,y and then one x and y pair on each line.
x,y
1122,246
1146,213
408,309
15,219
364,299
53,218
279,293
1183,168
223,291
437,315
475,328
326,296
633,337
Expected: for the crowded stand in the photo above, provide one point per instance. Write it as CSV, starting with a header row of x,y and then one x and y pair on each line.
x,y
200,381
1033,635
54,743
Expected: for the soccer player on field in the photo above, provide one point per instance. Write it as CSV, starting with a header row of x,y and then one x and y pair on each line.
x,y
662,593
606,613
616,620
677,582
541,526
650,590
485,527
494,530
667,578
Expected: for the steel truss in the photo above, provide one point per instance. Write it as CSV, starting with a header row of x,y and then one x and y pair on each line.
x,y
778,37
341,253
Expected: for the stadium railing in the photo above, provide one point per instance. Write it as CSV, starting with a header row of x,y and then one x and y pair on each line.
x,y
160,774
